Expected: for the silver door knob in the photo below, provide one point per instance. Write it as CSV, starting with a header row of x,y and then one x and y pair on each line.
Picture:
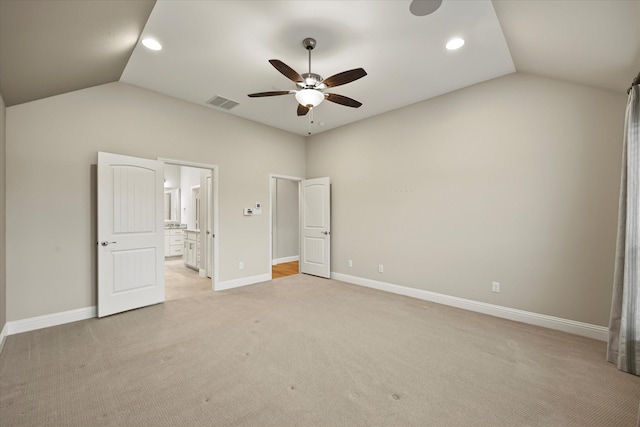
x,y
105,243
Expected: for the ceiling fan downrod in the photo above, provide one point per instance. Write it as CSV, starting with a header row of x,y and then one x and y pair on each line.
x,y
309,43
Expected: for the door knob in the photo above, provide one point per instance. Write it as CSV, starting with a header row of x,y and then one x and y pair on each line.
x,y
326,233
105,243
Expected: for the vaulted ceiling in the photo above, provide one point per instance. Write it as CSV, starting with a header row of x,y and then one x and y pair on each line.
x,y
49,47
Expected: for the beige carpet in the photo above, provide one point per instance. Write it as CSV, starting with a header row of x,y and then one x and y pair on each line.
x,y
303,351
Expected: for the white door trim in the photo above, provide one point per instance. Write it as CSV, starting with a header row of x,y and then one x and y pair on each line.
x,y
272,178
215,277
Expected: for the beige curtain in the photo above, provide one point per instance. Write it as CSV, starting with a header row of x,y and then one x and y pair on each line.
x,y
624,326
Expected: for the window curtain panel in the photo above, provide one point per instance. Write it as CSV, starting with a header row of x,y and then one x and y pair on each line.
x,y
624,326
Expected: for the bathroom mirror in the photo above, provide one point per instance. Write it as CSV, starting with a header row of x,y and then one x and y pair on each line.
x,y
172,205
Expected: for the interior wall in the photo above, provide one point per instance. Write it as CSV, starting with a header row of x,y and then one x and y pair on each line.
x,y
286,229
172,176
3,243
189,177
51,183
514,180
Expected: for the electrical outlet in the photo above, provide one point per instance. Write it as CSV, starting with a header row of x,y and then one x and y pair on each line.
x,y
241,265
380,268
495,286
350,263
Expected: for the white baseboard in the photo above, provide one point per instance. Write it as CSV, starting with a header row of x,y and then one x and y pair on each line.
x,y
285,259
600,333
3,336
46,321
244,281
202,272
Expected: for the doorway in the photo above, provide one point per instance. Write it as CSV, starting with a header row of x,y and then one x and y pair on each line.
x,y
284,253
191,264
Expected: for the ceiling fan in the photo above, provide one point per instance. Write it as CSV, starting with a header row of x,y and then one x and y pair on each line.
x,y
311,86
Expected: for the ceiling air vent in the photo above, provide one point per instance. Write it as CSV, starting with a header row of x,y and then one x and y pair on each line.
x,y
221,102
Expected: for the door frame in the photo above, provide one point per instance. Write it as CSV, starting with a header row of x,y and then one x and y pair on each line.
x,y
272,181
215,277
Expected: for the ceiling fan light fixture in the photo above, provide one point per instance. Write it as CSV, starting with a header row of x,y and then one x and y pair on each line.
x,y
455,43
310,97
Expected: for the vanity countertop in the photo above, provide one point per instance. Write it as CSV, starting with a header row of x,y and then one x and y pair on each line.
x,y
175,226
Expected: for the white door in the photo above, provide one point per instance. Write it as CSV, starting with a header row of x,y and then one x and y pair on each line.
x,y
209,243
315,227
130,233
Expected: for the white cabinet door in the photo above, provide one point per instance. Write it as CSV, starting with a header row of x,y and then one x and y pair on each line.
x,y
130,233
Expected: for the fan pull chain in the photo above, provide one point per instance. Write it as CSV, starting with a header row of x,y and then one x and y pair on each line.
x,y
310,120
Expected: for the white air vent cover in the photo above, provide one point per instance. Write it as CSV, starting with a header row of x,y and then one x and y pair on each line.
x,y
221,102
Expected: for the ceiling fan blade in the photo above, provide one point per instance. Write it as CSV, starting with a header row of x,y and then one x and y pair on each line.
x,y
288,72
275,93
302,110
343,100
344,77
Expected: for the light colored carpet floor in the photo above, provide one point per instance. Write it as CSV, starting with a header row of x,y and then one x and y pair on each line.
x,y
304,351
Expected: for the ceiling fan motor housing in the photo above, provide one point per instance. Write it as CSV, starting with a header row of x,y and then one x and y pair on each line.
x,y
309,43
311,81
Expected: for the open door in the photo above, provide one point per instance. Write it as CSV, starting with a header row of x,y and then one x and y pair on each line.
x,y
315,249
209,260
130,233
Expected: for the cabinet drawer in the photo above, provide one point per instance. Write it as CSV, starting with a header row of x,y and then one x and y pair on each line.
x,y
176,250
176,240
191,236
177,232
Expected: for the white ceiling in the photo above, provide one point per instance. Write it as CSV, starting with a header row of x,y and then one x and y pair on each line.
x,y
221,48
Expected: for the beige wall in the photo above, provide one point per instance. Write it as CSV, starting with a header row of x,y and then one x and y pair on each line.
x,y
3,246
52,144
514,180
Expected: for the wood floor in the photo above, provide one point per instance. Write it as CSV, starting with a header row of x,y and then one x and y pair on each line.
x,y
286,269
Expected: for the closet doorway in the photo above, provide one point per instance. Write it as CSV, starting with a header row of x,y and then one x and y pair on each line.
x,y
191,249
284,254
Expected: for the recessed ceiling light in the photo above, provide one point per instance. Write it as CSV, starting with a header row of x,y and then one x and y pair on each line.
x,y
454,44
151,44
